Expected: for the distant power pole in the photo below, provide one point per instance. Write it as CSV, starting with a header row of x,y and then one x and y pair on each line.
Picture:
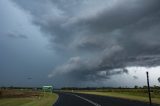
x,y
149,92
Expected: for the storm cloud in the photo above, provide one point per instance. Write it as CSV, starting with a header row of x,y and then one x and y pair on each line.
x,y
98,38
12,35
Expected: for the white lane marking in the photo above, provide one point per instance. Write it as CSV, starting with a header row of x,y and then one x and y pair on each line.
x,y
95,104
58,96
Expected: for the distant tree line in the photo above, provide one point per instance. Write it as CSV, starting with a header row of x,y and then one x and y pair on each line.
x,y
103,88
31,88
83,88
145,87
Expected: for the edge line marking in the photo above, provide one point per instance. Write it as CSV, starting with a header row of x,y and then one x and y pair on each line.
x,y
95,104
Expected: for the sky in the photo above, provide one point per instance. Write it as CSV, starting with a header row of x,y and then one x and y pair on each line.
x,y
82,43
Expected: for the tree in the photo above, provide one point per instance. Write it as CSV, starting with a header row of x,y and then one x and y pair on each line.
x,y
159,79
136,87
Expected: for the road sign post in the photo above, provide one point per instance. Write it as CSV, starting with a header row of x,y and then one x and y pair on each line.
x,y
149,94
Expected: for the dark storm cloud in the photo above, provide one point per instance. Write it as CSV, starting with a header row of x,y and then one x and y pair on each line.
x,y
12,35
135,77
100,39
122,15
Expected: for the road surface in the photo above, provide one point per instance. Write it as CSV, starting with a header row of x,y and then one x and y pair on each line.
x,y
72,99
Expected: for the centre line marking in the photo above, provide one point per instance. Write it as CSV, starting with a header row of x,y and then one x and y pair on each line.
x,y
95,104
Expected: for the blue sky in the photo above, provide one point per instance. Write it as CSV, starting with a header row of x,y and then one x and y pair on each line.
x,y
79,42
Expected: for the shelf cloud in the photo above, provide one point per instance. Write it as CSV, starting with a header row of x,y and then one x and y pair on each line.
x,y
97,39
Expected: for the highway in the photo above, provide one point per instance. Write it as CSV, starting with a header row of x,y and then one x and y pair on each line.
x,y
72,99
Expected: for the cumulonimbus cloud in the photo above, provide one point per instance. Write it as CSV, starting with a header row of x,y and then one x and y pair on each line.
x,y
100,38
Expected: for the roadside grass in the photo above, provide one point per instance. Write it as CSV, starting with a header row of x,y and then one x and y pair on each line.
x,y
138,95
43,99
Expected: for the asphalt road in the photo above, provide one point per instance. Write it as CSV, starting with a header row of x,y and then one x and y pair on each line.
x,y
71,99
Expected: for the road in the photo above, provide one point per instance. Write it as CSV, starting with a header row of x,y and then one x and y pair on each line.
x,y
71,99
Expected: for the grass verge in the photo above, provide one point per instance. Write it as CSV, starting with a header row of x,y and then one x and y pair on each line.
x,y
155,100
47,99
